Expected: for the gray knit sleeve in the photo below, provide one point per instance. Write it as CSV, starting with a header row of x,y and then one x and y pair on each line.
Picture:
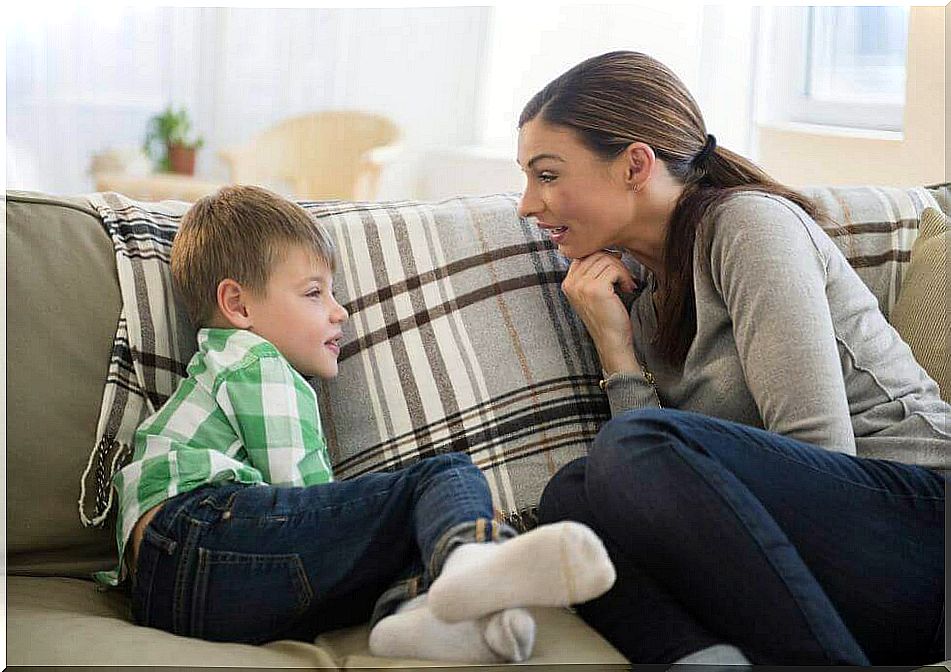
x,y
627,391
768,267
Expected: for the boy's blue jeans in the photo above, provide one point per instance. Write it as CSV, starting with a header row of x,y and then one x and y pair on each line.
x,y
724,533
255,563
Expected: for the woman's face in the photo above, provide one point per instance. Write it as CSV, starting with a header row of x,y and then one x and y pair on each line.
x,y
583,202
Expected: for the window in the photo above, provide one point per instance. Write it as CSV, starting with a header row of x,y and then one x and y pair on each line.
x,y
845,65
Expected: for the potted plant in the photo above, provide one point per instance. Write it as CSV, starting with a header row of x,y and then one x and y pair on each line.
x,y
169,143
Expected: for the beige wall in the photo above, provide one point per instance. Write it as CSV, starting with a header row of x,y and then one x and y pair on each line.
x,y
807,155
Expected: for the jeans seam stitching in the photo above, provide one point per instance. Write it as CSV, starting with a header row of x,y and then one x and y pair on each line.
x,y
198,598
188,546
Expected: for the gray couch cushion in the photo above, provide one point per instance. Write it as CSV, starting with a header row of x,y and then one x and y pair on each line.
x,y
62,308
562,640
921,313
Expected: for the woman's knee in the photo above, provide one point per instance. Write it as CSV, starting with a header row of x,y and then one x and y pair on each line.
x,y
564,495
630,444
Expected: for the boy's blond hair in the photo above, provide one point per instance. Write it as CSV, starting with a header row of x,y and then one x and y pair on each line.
x,y
239,232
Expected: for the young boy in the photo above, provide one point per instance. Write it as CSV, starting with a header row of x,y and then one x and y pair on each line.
x,y
231,524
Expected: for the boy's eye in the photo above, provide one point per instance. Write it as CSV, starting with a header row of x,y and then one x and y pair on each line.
x,y
314,293
547,177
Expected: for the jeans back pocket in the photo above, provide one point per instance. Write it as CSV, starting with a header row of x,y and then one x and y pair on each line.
x,y
247,597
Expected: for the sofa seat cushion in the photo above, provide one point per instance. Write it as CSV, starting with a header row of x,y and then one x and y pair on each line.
x,y
60,621
562,638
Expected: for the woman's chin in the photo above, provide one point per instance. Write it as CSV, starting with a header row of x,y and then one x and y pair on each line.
x,y
575,251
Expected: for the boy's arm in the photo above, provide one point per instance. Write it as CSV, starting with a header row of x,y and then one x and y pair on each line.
x,y
274,412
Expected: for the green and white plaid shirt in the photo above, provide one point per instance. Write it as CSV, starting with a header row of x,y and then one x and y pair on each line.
x,y
243,414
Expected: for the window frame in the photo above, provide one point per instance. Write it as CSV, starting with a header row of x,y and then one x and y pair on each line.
x,y
792,54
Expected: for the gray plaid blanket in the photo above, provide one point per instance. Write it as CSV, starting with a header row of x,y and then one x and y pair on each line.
x,y
459,337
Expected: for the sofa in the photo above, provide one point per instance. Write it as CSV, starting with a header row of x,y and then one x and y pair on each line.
x,y
459,340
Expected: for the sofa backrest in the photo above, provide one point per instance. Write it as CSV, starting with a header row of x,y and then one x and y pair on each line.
x,y
876,227
63,304
62,308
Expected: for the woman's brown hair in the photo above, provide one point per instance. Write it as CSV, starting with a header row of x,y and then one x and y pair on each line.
x,y
622,97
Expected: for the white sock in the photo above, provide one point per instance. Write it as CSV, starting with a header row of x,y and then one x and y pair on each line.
x,y
414,632
551,566
718,654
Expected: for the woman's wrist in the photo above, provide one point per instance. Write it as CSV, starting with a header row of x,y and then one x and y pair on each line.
x,y
619,362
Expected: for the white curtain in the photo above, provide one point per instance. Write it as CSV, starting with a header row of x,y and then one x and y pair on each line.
x,y
86,80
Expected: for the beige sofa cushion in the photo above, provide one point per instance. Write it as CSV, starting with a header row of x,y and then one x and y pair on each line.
x,y
58,621
921,313
62,308
562,639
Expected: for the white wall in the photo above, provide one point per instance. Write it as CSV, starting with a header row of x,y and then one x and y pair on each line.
x,y
710,48
530,47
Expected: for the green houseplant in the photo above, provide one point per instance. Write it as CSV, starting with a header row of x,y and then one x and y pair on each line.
x,y
169,142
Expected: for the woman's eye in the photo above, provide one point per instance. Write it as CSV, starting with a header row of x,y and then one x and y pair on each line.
x,y
546,177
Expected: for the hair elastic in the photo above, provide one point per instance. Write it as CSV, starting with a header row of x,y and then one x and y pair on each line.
x,y
705,151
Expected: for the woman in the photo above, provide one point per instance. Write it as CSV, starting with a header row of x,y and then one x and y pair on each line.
x,y
769,484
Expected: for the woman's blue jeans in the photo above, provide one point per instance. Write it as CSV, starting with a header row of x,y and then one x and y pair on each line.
x,y
255,563
725,533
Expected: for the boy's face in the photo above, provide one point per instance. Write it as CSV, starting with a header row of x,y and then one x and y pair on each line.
x,y
299,314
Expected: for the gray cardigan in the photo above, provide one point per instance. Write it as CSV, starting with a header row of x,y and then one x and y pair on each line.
x,y
791,340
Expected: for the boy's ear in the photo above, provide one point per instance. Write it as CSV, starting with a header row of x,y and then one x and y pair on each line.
x,y
231,304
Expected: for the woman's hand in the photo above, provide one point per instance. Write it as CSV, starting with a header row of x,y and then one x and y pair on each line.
x,y
589,287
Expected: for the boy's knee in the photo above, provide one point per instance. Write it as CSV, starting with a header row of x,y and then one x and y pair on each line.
x,y
447,461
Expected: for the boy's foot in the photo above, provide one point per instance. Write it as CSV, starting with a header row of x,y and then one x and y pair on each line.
x,y
415,632
551,566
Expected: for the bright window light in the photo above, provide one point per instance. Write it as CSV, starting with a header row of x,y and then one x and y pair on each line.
x,y
857,54
836,66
